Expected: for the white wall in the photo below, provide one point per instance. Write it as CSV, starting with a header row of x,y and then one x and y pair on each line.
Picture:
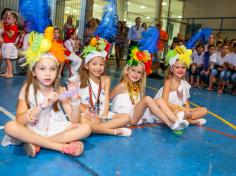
x,y
213,8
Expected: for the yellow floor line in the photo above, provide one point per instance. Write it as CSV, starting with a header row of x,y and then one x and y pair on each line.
x,y
209,112
218,117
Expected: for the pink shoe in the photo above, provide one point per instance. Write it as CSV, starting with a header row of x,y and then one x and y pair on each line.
x,y
73,148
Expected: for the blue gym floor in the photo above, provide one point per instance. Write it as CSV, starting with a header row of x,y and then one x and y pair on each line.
x,y
152,150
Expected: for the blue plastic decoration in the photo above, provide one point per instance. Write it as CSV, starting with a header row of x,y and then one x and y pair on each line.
x,y
108,27
149,40
202,35
36,14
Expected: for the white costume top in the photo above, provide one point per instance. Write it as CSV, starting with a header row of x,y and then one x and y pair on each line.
x,y
121,103
84,93
197,59
49,122
173,98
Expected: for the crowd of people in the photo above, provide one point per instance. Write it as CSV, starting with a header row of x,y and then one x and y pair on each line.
x,y
213,63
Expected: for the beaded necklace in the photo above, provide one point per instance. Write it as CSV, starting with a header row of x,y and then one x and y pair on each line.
x,y
94,107
133,91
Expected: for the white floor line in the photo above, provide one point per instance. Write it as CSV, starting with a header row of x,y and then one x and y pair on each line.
x,y
7,113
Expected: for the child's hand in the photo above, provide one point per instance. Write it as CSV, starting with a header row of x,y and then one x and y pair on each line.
x,y
74,84
92,116
30,117
49,100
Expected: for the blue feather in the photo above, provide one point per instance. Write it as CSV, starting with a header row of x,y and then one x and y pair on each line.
x,y
108,27
202,35
36,14
149,40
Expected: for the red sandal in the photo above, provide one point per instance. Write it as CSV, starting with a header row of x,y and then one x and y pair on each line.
x,y
73,148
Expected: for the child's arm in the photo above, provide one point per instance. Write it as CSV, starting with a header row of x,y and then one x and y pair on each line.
x,y
72,108
117,90
107,81
25,115
166,92
165,95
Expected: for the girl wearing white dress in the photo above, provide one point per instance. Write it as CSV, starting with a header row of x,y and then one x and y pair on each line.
x,y
40,119
175,91
95,88
128,96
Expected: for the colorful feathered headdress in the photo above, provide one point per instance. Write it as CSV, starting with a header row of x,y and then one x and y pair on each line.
x,y
201,35
96,47
36,14
147,47
181,54
105,33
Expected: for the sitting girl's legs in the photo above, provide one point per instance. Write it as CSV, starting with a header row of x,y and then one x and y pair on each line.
x,y
118,120
197,115
148,102
24,134
112,127
73,133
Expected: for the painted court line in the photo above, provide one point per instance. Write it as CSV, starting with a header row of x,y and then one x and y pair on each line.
x,y
209,112
204,127
218,117
7,113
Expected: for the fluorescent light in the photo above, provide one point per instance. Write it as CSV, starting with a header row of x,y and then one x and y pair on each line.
x,y
148,17
128,2
125,19
95,5
179,16
142,7
163,3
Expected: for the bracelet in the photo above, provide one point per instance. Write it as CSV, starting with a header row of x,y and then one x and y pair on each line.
x,y
75,102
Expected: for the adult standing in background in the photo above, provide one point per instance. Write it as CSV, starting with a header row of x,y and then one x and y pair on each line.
x,y
89,30
134,34
68,26
119,43
163,39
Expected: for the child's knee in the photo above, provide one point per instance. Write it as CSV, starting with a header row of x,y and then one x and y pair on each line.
x,y
127,118
205,111
147,100
85,128
10,127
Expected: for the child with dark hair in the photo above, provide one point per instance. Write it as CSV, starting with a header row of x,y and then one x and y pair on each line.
x,y
220,70
208,61
9,50
196,65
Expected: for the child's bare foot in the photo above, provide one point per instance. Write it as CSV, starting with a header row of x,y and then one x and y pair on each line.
x,y
9,76
31,149
73,148
4,74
